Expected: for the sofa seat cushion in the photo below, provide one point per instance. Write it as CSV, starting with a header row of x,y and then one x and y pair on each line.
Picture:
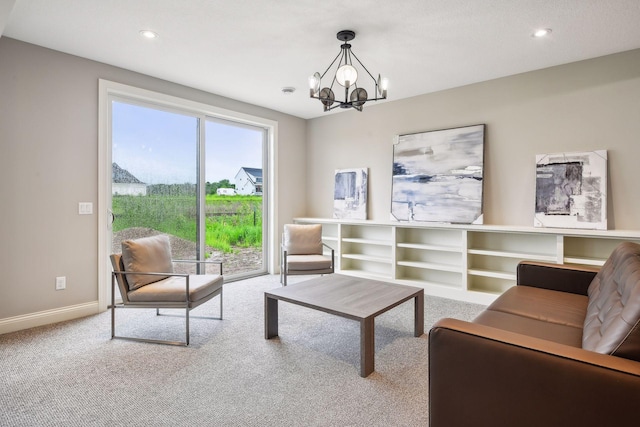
x,y
555,332
558,307
541,313
172,289
308,262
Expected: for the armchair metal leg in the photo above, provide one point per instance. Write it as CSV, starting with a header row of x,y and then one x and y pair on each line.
x,y
147,340
113,321
187,317
186,338
283,268
220,303
113,306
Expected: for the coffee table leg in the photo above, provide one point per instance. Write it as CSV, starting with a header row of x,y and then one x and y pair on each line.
x,y
419,316
270,317
367,346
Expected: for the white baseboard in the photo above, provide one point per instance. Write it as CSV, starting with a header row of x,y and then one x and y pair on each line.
x,y
31,320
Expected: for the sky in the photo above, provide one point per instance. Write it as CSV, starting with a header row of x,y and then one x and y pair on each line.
x,y
160,147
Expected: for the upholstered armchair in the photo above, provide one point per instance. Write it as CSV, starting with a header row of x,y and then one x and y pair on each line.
x,y
146,279
302,252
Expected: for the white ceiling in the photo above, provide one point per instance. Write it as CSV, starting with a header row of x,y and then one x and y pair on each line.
x,y
249,49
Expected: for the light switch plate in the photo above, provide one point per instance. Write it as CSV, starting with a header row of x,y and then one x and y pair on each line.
x,y
85,208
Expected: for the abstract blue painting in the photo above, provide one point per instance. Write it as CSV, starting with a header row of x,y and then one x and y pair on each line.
x,y
437,176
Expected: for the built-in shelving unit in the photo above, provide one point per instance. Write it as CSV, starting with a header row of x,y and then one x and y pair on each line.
x,y
429,257
473,263
367,249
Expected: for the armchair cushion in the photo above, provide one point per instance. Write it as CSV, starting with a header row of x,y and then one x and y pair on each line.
x,y
302,239
172,289
307,262
148,254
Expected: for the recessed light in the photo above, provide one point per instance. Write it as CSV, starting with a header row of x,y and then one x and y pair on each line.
x,y
288,90
541,32
148,34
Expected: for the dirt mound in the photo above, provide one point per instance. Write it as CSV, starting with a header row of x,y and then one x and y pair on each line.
x,y
239,261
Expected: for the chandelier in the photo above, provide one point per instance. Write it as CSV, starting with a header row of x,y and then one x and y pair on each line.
x,y
347,76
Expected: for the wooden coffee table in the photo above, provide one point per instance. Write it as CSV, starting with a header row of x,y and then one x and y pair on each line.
x,y
346,296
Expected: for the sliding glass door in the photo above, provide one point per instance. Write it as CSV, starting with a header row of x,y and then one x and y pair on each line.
x,y
196,178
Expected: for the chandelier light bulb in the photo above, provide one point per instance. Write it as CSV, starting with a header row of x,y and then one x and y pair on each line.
x,y
346,75
384,85
314,83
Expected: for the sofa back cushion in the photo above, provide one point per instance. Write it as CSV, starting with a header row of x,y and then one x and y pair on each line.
x,y
612,322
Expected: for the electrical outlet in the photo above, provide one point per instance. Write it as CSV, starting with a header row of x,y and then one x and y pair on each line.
x,y
61,283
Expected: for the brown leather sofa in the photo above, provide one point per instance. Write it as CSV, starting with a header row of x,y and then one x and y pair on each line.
x,y
562,348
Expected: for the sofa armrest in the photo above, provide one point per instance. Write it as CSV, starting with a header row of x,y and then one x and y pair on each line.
x,y
571,278
483,376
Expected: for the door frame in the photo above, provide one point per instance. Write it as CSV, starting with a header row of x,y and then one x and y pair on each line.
x,y
109,91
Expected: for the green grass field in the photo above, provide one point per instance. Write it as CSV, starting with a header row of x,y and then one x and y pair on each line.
x,y
231,221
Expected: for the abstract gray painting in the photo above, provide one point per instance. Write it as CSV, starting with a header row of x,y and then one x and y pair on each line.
x,y
350,194
571,190
437,176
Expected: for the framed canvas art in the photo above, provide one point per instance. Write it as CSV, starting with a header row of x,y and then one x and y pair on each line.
x,y
571,190
350,194
437,176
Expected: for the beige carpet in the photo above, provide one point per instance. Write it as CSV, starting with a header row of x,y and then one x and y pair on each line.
x,y
72,374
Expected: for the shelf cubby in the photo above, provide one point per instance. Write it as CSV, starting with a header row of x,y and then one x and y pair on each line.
x,y
431,239
488,284
588,250
366,267
538,247
420,275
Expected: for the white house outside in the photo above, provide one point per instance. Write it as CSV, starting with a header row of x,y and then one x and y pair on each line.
x,y
125,184
248,181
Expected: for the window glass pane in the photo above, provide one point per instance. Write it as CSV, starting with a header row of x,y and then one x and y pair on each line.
x,y
234,200
154,175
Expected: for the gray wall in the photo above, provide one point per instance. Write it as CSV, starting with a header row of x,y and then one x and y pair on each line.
x,y
582,106
49,153
49,163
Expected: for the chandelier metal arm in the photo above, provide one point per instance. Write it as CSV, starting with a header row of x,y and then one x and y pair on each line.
x,y
332,62
362,65
344,104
